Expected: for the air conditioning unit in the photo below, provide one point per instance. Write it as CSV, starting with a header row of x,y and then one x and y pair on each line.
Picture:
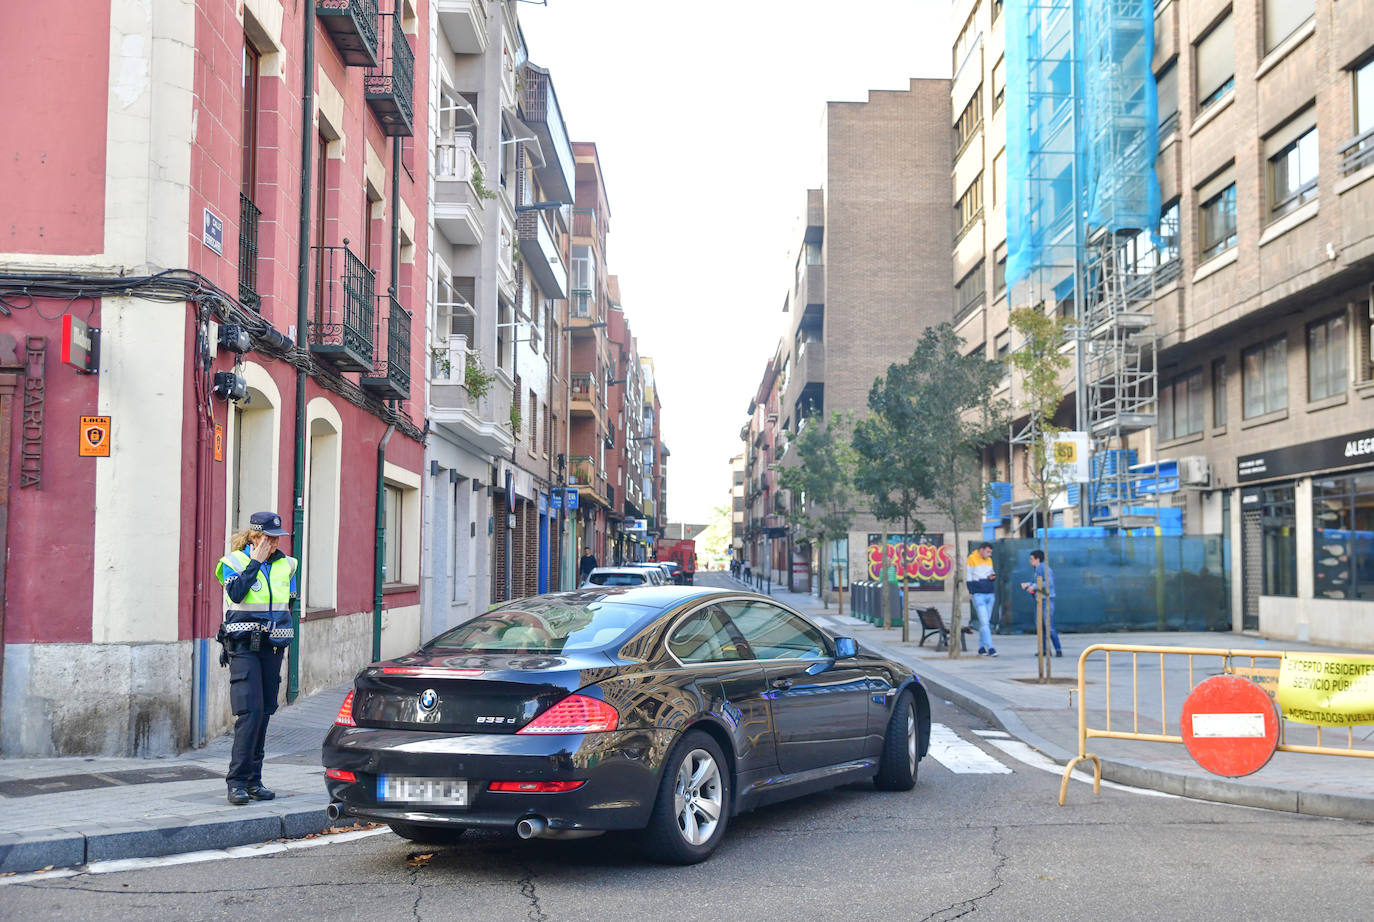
x,y
1194,471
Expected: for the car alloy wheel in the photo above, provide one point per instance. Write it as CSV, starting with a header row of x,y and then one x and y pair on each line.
x,y
911,741
698,797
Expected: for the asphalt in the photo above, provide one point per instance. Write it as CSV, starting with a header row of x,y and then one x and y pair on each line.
x,y
74,811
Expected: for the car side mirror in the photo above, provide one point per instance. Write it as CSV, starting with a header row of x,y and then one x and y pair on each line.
x,y
846,648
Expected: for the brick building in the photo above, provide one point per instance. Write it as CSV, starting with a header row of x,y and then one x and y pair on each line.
x,y
254,349
870,271
1257,289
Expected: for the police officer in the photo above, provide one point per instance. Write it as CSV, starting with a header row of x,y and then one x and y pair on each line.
x,y
259,581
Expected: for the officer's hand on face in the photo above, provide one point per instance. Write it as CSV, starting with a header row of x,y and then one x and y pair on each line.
x,y
264,548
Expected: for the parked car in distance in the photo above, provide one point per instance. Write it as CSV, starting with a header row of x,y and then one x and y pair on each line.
x,y
661,573
663,709
616,576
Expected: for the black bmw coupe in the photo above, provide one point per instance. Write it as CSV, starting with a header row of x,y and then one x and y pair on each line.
x,y
666,709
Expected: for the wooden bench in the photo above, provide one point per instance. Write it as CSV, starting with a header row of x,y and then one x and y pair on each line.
x,y
933,623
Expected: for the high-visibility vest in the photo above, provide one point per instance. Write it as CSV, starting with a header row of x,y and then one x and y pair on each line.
x,y
268,599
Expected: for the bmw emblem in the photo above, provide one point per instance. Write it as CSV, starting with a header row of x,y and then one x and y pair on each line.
x,y
428,699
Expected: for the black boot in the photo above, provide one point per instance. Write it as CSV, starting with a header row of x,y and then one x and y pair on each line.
x,y
258,792
238,796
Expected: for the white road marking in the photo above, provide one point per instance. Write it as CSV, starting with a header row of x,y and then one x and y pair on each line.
x,y
993,734
117,865
1023,753
960,756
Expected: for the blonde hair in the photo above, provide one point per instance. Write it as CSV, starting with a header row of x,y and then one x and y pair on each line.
x,y
241,539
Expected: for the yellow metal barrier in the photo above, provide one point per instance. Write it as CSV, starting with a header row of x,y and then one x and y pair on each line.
x,y
1246,663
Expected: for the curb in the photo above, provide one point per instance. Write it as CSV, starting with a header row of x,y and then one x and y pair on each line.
x,y
61,848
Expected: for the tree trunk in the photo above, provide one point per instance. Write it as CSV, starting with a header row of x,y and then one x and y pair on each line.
x,y
956,621
882,579
825,583
906,588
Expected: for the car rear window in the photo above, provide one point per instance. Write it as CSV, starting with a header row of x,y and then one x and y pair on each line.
x,y
616,579
544,626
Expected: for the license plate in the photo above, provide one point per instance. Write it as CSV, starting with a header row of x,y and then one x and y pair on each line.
x,y
452,792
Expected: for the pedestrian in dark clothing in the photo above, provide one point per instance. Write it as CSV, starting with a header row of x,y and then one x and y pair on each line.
x,y
586,565
1044,585
260,582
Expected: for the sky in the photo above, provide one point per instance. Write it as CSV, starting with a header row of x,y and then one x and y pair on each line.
x,y
707,119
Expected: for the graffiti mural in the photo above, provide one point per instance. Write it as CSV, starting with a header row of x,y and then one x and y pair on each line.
x,y
925,561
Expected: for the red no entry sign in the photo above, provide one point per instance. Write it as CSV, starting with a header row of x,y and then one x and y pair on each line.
x,y
1230,726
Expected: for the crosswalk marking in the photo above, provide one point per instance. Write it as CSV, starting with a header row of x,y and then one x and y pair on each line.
x,y
960,756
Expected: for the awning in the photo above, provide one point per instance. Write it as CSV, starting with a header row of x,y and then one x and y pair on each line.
x,y
520,133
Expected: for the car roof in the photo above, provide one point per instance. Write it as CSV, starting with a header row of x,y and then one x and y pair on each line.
x,y
624,569
660,597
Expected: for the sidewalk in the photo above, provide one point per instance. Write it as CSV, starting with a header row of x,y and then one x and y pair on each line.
x,y
1003,691
71,811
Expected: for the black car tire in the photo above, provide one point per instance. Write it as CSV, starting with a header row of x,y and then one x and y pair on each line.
x,y
428,835
901,748
665,838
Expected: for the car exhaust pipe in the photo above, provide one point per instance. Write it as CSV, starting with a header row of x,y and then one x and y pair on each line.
x,y
531,827
334,811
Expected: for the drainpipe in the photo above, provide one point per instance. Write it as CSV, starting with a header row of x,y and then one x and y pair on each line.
x,y
293,672
377,574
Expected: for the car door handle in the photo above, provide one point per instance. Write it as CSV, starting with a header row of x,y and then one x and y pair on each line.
x,y
782,683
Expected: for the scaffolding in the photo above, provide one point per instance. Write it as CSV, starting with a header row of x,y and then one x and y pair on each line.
x,y
1082,136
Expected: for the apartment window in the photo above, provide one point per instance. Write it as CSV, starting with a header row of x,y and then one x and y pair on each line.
x,y
996,10
392,516
1282,18
1343,552
252,70
533,423
1364,342
812,253
1293,174
969,120
970,292
1326,350
969,208
999,177
1217,218
1279,537
999,270
999,84
968,38
1180,406
1166,89
1216,62
1264,377
1219,393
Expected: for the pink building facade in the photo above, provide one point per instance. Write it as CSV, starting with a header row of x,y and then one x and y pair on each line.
x,y
159,184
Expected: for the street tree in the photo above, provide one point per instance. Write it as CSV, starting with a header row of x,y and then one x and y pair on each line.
x,y
1041,363
822,485
890,469
954,418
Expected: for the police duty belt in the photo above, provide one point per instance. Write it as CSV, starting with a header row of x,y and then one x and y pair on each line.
x,y
243,627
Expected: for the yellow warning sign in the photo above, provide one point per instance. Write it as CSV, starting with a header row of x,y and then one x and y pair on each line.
x,y
1065,453
1327,689
94,437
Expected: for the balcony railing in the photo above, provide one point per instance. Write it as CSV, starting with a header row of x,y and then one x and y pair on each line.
x,y
248,253
391,379
352,26
581,471
582,306
390,86
341,330
1357,153
453,156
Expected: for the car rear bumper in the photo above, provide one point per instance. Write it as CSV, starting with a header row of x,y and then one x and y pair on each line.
x,y
620,771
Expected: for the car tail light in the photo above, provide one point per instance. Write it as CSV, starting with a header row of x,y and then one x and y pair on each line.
x,y
534,787
575,714
339,774
345,716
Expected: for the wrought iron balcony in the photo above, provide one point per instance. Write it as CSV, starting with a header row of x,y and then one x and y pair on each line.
x,y
391,379
248,253
352,25
341,330
390,86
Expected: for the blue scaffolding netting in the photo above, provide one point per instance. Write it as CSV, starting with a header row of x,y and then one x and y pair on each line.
x,y
1082,134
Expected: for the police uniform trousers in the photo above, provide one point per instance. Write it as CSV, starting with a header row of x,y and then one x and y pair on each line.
x,y
254,680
